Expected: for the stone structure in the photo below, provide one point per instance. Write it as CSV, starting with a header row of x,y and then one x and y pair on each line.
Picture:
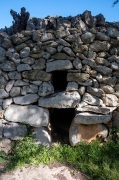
x,y
60,64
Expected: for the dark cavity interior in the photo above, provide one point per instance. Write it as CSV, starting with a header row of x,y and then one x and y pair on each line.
x,y
59,80
60,120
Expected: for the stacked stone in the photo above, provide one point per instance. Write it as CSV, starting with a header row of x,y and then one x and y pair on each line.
x,y
90,56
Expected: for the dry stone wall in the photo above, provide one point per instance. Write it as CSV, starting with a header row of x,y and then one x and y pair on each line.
x,y
84,47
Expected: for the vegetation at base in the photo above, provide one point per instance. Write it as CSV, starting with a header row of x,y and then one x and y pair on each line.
x,y
96,161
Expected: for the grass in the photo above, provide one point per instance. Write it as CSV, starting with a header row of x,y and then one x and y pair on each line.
x,y
97,162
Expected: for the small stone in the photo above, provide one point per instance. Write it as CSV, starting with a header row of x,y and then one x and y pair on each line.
x,y
77,77
51,50
32,89
102,37
5,145
89,82
114,66
63,42
87,38
28,60
104,70
107,89
27,99
62,34
23,67
112,32
8,66
110,100
39,64
3,82
47,37
7,102
36,36
1,117
15,91
99,77
68,51
98,46
91,55
20,83
90,62
38,83
20,47
77,63
14,75
95,91
92,100
45,89
14,131
38,55
82,90
3,93
102,61
72,86
59,56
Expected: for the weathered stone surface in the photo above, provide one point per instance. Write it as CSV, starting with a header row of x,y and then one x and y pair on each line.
x,y
86,133
68,51
89,82
95,91
102,61
25,52
87,38
7,102
104,70
114,66
95,109
5,145
42,136
89,118
98,46
3,93
78,77
1,117
58,65
82,90
109,80
113,58
72,86
51,50
88,18
9,85
39,64
8,66
20,46
36,36
47,37
90,99
115,117
77,63
112,32
31,114
116,73
7,43
2,54
14,131
59,56
107,89
89,62
102,37
38,55
63,42
27,99
14,75
110,100
62,34
60,100
36,75
45,89
23,67
38,83
20,83
15,91
3,82
28,60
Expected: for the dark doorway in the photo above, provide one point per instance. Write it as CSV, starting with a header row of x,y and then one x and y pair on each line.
x,y
60,120
59,79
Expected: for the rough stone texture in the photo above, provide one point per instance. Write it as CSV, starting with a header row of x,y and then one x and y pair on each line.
x,y
14,75
45,89
77,63
86,133
107,89
36,75
25,52
7,102
92,100
14,131
72,86
42,136
110,100
9,85
5,145
8,66
31,114
95,91
27,99
58,65
77,77
89,118
3,93
87,38
98,46
15,91
104,70
60,100
23,67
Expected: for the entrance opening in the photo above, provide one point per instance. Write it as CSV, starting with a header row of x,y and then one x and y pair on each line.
x,y
60,120
59,80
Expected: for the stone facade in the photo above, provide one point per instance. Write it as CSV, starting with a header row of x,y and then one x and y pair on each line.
x,y
86,49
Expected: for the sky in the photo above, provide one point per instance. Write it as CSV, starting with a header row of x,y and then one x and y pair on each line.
x,y
43,8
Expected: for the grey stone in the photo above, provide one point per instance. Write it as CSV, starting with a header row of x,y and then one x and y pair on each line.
x,y
14,131
82,90
59,56
45,89
63,42
28,60
91,55
39,64
59,48
36,36
37,83
43,137
32,89
87,38
116,73
89,82
90,62
72,86
78,77
14,75
99,77
110,100
51,50
60,100
68,51
23,67
58,65
103,54
95,91
89,118
3,93
114,66
9,85
47,37
24,90
47,55
77,63
107,89
36,75
98,46
38,55
3,82
102,61
7,43
116,87
7,102
2,54
27,99
8,66
25,52
95,83
5,145
92,100
20,83
62,34
102,37
104,70
113,58
1,115
112,32
95,109
20,46
31,114
88,18
15,91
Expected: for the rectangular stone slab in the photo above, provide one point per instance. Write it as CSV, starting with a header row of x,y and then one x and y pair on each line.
x,y
88,118
31,114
